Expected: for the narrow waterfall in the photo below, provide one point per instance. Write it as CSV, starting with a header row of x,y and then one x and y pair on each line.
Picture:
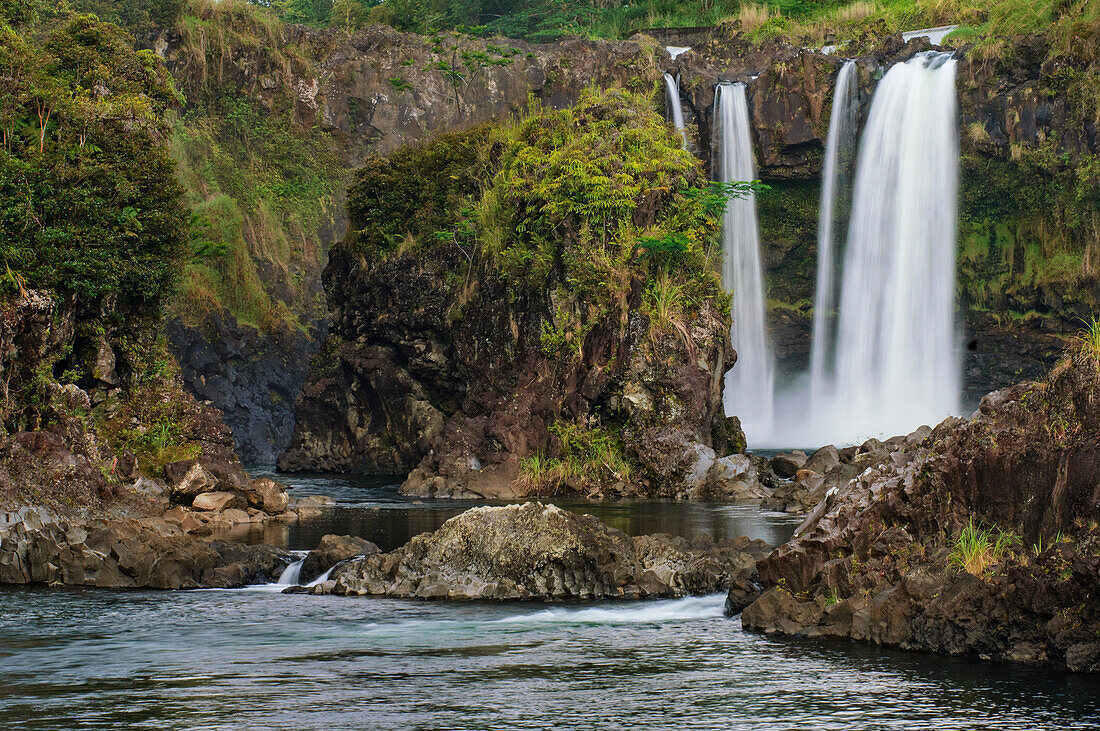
x,y
290,574
675,109
749,384
840,147
896,366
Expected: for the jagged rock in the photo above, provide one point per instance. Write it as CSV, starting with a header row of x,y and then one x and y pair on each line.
x,y
873,562
734,478
332,550
540,552
130,554
822,460
188,480
267,495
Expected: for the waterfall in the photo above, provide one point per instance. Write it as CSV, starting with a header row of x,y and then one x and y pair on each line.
x,y
290,574
675,109
749,384
896,366
840,147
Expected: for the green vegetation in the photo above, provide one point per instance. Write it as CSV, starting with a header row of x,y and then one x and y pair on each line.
x,y
590,454
262,180
568,211
89,206
150,419
1088,341
553,202
977,549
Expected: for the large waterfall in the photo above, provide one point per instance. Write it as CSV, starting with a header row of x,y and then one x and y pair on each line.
x,y
895,365
840,147
749,384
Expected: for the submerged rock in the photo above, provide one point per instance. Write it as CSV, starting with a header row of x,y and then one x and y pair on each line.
x,y
541,552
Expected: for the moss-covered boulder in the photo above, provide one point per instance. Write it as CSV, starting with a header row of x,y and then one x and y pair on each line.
x,y
541,552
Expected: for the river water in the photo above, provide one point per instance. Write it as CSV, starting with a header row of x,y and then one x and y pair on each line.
x,y
252,659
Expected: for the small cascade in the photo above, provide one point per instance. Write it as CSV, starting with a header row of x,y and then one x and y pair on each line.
x,y
750,384
675,109
675,51
290,574
896,366
322,578
840,148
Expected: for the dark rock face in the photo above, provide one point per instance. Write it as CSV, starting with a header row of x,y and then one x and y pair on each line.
x,y
403,386
250,377
874,563
540,552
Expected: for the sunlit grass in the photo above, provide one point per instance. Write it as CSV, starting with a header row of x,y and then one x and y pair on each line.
x,y
978,549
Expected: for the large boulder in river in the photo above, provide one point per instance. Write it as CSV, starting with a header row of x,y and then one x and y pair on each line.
x,y
541,552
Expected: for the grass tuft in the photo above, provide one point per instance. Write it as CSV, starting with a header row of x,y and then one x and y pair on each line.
x,y
978,549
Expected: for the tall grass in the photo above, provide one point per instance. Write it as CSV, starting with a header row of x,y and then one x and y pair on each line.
x,y
978,549
1088,340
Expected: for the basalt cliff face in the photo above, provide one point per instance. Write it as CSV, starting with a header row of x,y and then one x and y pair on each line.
x,y
984,540
458,359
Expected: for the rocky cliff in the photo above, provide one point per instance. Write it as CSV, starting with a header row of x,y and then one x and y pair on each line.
x,y
984,540
566,333
1029,139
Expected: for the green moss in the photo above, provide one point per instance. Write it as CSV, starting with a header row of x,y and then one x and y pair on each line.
x,y
788,235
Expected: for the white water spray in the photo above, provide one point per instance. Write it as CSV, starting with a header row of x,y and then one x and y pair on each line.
x,y
895,365
675,108
749,386
840,149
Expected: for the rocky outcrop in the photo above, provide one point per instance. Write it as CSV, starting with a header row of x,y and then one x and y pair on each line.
x,y
540,552
456,363
37,546
883,559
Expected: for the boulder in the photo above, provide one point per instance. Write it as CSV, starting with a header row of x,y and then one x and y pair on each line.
x,y
332,550
216,501
541,552
266,495
189,479
823,460
786,464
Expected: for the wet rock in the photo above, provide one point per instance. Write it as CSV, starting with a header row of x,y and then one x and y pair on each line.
x,y
734,478
873,562
786,464
540,552
129,554
332,550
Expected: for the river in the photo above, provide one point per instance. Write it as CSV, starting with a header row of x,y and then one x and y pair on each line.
x,y
254,659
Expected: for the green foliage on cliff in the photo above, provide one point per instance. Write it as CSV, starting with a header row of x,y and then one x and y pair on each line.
x,y
263,180
89,206
579,201
1028,226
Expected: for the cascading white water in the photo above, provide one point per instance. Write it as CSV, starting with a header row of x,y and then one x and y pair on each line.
x,y
840,149
750,383
675,108
896,366
290,574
